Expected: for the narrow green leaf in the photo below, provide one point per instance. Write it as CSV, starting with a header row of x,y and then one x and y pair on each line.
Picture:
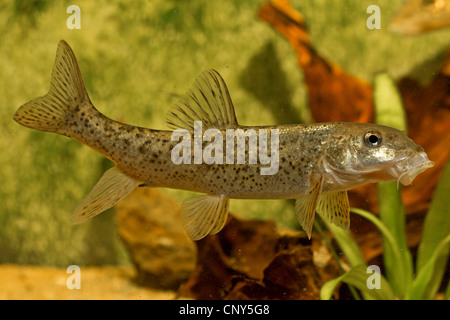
x,y
390,244
427,272
358,277
436,228
389,111
350,249
347,244
392,214
447,292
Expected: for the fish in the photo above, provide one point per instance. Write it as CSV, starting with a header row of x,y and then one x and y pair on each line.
x,y
421,16
316,163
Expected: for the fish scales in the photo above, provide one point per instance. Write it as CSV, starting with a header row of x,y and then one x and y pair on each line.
x,y
145,155
313,163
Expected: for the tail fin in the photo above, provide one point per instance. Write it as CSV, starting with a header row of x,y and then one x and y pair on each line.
x,y
67,93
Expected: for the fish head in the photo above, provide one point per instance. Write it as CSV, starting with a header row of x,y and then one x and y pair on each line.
x,y
370,153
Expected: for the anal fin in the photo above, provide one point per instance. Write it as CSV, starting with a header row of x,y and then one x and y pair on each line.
x,y
112,186
204,215
334,208
305,207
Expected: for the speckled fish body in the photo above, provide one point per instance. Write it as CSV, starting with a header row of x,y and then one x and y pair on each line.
x,y
145,155
315,164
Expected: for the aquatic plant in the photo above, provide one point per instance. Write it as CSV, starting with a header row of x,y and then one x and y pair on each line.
x,y
401,280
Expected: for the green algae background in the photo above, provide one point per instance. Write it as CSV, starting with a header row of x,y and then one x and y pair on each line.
x,y
137,58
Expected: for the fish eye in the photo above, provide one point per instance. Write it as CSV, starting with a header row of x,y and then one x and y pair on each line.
x,y
372,138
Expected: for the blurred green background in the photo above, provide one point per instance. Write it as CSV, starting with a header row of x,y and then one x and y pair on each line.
x,y
137,58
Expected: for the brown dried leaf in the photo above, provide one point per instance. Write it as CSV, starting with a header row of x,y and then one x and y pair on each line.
x,y
335,95
428,115
251,260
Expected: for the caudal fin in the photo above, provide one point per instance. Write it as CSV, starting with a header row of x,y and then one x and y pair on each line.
x,y
67,93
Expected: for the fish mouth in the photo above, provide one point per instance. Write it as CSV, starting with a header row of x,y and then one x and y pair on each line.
x,y
412,166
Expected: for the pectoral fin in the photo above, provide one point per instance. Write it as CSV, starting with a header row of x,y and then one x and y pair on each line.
x,y
305,207
204,215
334,208
112,186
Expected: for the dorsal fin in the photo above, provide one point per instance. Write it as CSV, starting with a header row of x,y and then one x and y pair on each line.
x,y
208,101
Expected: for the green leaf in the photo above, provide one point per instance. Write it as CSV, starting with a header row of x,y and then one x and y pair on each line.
x,y
358,277
389,111
436,228
392,214
350,249
347,244
345,241
390,244
447,292
428,271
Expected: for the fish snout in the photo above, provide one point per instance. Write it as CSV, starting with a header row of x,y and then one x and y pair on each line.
x,y
413,166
